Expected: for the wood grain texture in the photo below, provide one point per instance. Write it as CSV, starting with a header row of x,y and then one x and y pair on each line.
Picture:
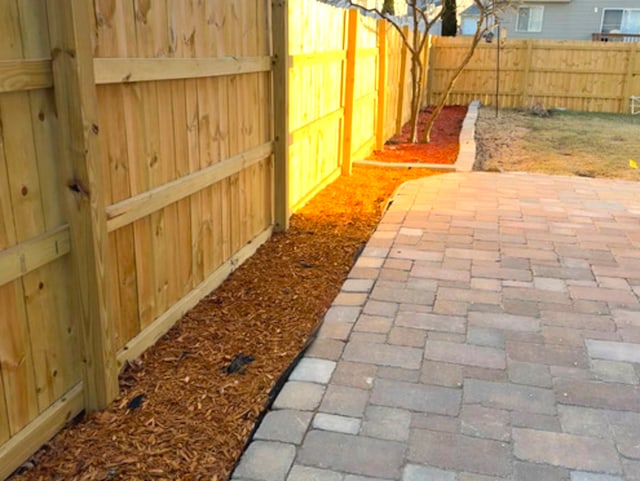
x,y
28,74
280,40
125,70
28,256
76,100
43,428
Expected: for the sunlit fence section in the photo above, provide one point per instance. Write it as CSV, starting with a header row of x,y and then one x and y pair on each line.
x,y
349,83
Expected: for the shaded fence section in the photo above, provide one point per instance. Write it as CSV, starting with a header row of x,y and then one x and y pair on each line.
x,y
136,172
183,99
585,76
40,320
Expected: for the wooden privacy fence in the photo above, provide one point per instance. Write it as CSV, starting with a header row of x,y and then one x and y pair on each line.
x,y
349,91
585,76
136,171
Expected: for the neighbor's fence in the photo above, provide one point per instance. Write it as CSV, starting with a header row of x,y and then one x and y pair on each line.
x,y
585,76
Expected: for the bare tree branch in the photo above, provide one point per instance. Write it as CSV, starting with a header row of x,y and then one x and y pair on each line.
x,y
422,19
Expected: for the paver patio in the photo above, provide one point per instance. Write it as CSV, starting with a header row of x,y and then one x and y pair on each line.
x,y
496,337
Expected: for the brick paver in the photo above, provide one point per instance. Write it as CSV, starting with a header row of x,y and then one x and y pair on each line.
x,y
489,331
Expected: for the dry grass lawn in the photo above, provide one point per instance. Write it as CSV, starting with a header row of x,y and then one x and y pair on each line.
x,y
565,143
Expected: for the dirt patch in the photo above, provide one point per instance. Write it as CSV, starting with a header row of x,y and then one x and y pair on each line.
x,y
443,148
565,143
188,407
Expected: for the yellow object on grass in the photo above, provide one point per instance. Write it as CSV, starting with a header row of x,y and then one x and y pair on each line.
x,y
633,164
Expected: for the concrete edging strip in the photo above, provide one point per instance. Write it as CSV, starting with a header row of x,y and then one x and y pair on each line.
x,y
466,155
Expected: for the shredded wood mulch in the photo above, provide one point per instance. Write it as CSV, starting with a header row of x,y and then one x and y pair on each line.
x,y
443,148
188,406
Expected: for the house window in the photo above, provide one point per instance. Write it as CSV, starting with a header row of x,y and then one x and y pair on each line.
x,y
529,19
621,20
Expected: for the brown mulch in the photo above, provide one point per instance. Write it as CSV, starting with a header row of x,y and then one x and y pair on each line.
x,y
443,148
180,414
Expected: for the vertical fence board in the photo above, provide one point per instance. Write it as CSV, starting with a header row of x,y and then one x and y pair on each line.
x,y
382,85
49,307
8,303
280,28
116,38
365,89
316,97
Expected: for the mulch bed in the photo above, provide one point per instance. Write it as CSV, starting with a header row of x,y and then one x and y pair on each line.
x,y
443,148
188,406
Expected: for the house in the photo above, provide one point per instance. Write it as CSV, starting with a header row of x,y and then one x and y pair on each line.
x,y
402,10
399,6
606,20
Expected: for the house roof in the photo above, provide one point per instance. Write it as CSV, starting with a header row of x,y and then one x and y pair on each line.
x,y
471,11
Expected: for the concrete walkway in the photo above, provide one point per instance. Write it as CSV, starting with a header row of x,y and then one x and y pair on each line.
x,y
489,331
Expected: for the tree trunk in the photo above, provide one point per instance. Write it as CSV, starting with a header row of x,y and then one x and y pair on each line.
x,y
415,98
388,7
443,98
449,18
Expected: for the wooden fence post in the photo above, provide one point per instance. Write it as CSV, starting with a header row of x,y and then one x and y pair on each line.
x,y
382,84
401,81
527,71
280,87
75,96
348,85
632,59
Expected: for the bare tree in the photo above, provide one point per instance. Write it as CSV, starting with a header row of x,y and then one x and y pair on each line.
x,y
423,15
421,19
